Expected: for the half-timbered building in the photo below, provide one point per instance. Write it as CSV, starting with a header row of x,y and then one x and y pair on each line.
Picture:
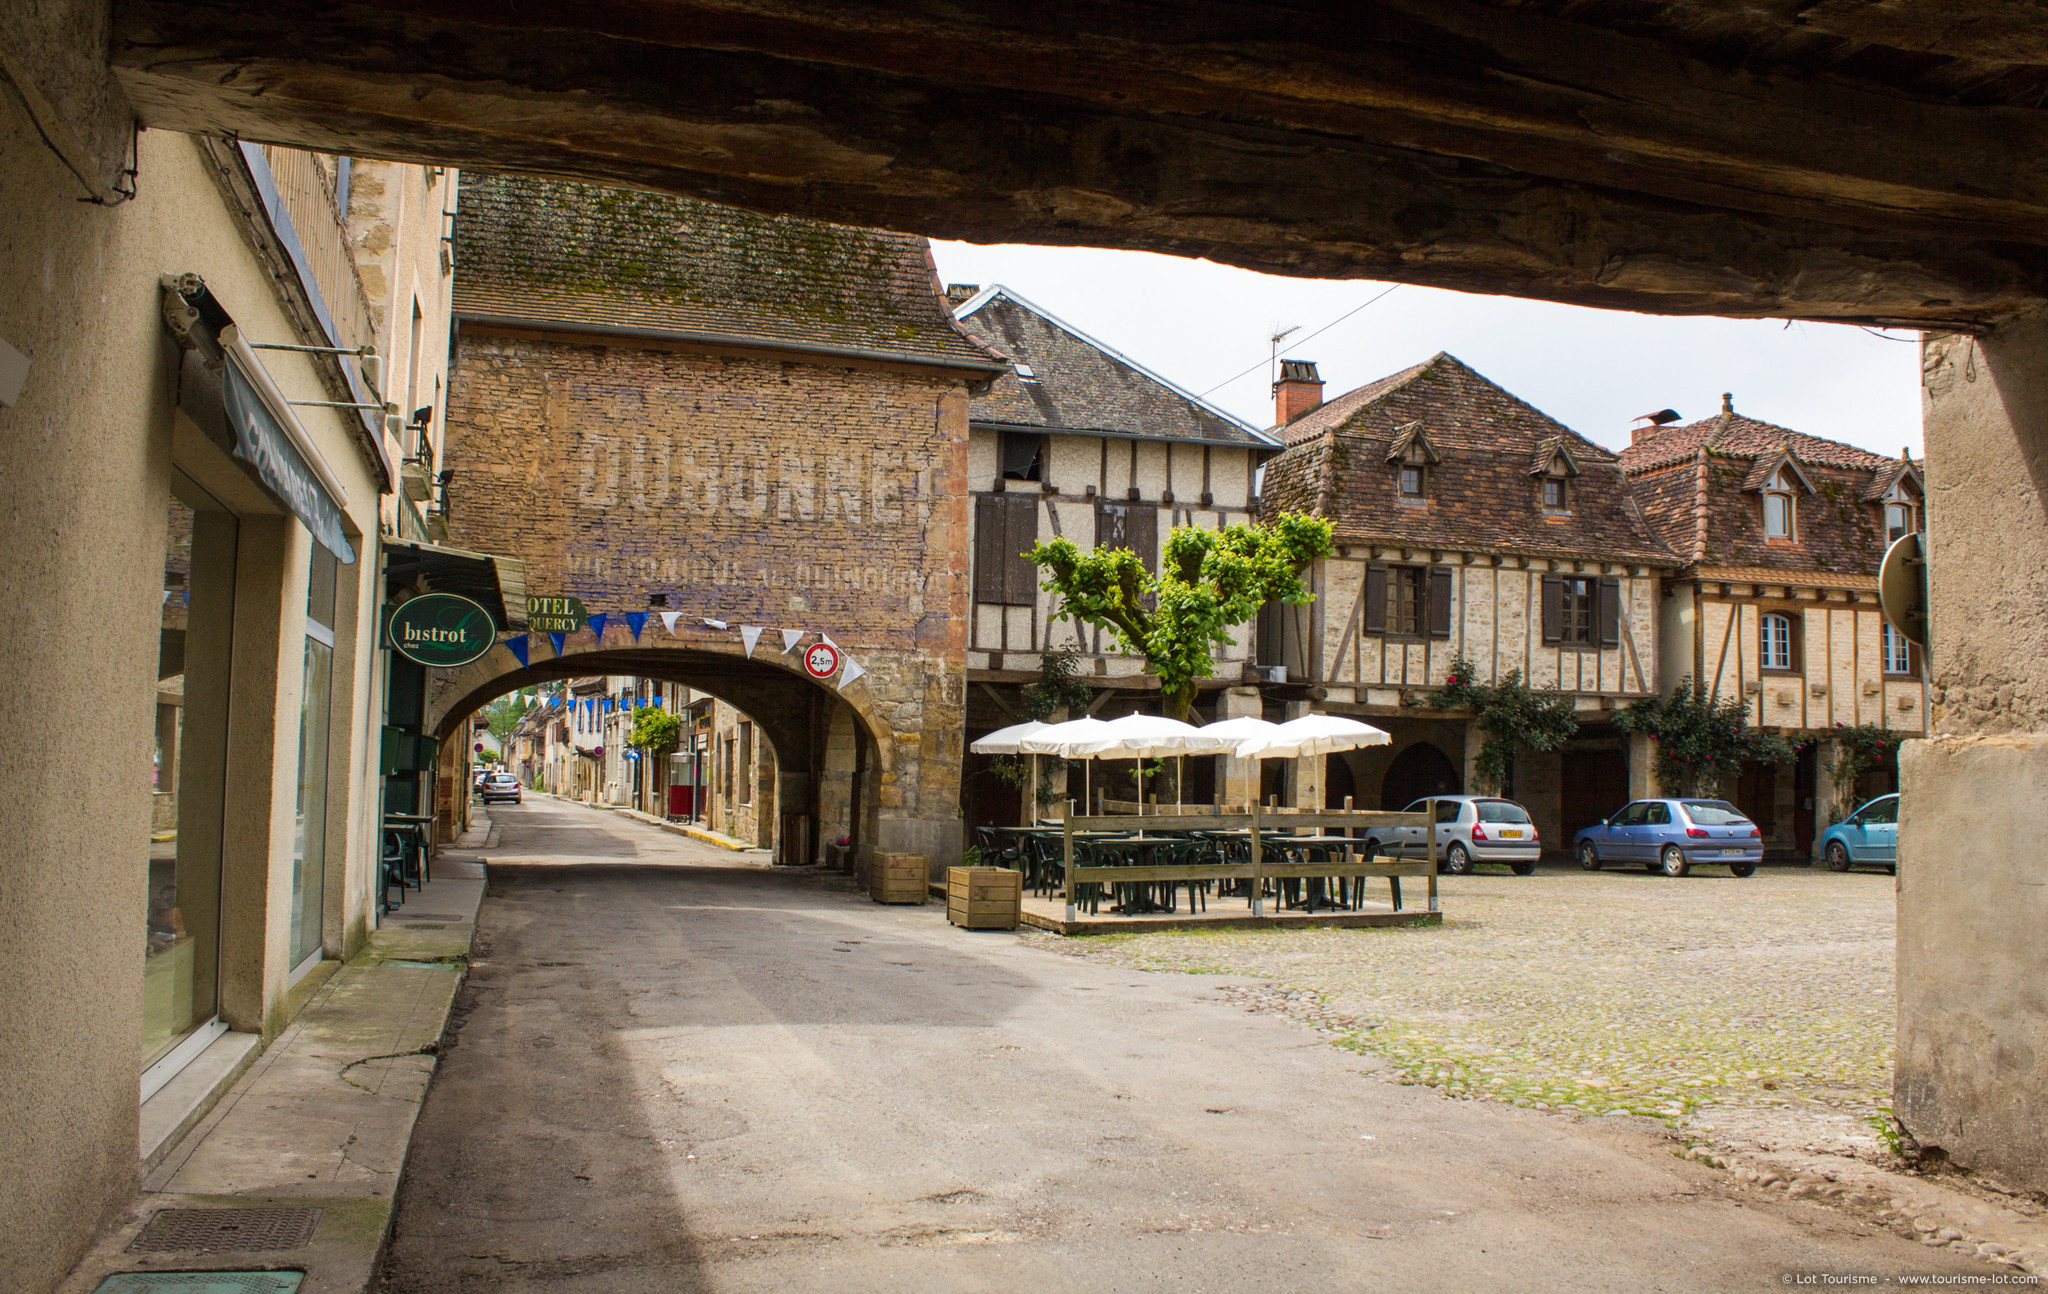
x,y
1470,525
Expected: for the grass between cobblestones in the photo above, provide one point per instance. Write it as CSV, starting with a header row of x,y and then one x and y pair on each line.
x,y
1738,1003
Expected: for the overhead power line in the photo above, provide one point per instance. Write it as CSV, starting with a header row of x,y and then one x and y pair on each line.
x,y
1304,341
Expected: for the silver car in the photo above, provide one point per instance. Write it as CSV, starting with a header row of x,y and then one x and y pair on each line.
x,y
1470,829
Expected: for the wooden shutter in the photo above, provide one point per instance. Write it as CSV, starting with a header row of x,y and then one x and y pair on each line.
x,y
1141,534
1796,634
991,531
1375,619
1439,602
1109,526
1020,576
1553,608
1610,613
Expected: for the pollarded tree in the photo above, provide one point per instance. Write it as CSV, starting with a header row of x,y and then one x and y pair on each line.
x,y
1209,581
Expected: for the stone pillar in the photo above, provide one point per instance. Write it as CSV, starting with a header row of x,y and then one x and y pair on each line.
x,y
1642,765
1240,776
1825,792
1305,779
1475,740
1972,1070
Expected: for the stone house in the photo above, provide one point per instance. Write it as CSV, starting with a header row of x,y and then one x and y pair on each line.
x,y
1780,535
1078,440
1467,524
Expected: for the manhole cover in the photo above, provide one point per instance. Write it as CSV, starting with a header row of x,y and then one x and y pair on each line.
x,y
204,1230
201,1283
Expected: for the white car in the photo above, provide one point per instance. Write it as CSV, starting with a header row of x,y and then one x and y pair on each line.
x,y
1470,829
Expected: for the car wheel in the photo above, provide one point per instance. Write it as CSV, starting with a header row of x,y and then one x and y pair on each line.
x,y
1458,860
1523,869
1743,869
1589,857
1672,861
1838,856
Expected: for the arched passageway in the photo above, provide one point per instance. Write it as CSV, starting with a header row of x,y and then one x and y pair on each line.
x,y
1418,771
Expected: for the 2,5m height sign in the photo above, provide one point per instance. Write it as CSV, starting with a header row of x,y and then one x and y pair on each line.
x,y
821,660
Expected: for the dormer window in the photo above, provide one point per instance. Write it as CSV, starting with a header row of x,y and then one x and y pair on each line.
x,y
1554,496
1779,518
1411,480
1901,511
1411,458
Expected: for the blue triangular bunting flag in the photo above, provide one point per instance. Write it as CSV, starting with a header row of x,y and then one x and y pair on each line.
x,y
517,646
636,621
558,640
597,624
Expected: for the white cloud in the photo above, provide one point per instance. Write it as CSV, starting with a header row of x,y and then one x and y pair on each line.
x,y
1199,323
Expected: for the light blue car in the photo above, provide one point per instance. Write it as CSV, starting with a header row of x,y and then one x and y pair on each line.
x,y
1672,837
1869,835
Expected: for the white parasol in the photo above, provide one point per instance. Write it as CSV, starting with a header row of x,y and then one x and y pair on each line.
x,y
1082,738
1312,734
1004,741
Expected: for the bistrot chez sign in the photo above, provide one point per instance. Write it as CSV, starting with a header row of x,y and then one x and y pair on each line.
x,y
443,629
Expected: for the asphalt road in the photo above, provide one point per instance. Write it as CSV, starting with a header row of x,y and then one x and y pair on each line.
x,y
673,1069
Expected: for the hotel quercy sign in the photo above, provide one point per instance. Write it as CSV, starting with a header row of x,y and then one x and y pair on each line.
x,y
441,629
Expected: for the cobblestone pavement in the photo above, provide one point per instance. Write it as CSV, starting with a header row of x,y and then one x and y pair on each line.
x,y
1754,1013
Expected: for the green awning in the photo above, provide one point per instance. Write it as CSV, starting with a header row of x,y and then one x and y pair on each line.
x,y
498,583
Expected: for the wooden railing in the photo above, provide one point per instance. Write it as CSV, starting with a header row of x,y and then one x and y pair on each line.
x,y
1263,825
306,190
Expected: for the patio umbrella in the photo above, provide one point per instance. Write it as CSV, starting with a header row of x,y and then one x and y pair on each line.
x,y
1082,738
1003,741
1143,736
1238,731
1312,734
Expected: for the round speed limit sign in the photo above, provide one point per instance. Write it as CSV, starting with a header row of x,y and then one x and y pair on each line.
x,y
821,660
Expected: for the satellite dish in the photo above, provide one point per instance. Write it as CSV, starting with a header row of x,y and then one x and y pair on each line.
x,y
1902,587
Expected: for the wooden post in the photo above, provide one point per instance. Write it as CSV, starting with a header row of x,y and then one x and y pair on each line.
x,y
1434,905
1258,867
1068,832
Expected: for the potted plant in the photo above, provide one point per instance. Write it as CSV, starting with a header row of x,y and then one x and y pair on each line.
x,y
979,897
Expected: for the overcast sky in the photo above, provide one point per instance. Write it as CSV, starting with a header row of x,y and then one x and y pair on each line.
x,y
1199,323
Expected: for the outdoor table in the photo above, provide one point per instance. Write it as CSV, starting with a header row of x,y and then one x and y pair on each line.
x,y
1136,900
416,824
1317,895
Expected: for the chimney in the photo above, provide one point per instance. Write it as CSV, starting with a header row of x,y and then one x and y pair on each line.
x,y
1299,389
1649,424
959,294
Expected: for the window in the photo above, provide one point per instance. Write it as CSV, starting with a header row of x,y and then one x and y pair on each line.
x,y
1632,816
746,769
1778,518
729,762
1776,645
1881,813
1502,811
1023,456
1715,813
1407,601
1411,480
1581,611
1898,652
1554,495
1656,814
1005,529
1899,521
309,861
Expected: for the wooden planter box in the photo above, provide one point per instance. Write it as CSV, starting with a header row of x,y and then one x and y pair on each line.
x,y
984,898
899,878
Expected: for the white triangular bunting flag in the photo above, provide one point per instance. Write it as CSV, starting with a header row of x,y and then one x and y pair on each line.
x,y
668,620
848,672
827,640
790,638
750,634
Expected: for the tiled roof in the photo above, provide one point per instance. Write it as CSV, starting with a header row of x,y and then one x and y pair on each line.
x,y
1881,484
1479,495
1699,484
1332,413
544,250
1079,384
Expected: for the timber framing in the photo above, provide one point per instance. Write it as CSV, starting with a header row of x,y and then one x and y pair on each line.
x,y
1680,161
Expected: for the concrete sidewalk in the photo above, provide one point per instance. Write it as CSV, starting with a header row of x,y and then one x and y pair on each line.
x,y
323,1118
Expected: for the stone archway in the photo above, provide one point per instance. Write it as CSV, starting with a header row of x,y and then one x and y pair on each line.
x,y
1419,770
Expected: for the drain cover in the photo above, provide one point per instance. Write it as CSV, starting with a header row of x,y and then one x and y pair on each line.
x,y
201,1283
205,1230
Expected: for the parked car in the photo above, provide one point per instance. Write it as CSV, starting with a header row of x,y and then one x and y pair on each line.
x,y
1672,837
500,786
1869,835
1470,829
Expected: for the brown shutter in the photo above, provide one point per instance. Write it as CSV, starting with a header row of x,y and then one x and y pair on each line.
x,y
1020,576
1553,608
1141,534
1610,613
990,532
1798,628
1109,526
1439,601
1376,598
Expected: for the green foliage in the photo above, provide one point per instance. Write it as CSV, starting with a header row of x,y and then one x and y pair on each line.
x,y
1209,581
1513,716
655,731
1702,743
1058,687
1858,749
504,714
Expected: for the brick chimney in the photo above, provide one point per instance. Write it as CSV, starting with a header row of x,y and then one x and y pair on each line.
x,y
1299,389
958,294
1649,424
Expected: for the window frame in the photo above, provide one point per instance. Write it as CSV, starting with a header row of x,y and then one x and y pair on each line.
x,y
1420,493
1792,657
1562,484
1885,637
1777,489
1571,605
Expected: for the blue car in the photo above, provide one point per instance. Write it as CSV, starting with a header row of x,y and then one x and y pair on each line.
x,y
1672,837
1869,835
